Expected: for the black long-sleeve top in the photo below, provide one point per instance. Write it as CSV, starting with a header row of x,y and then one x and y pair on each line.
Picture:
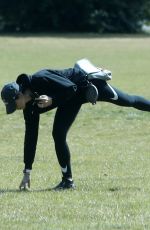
x,y
41,83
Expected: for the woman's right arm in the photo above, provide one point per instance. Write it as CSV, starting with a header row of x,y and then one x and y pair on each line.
x,y
31,136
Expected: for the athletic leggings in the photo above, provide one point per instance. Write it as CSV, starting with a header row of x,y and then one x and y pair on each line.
x,y
66,114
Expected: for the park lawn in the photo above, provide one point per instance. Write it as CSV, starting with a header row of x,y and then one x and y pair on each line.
x,y
109,144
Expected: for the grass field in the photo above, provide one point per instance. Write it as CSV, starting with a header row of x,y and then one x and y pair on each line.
x,y
110,145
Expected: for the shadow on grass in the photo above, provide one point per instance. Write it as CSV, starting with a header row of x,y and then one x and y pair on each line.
x,y
111,189
7,191
118,189
3,191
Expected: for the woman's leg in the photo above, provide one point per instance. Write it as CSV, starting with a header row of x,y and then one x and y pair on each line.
x,y
115,96
64,118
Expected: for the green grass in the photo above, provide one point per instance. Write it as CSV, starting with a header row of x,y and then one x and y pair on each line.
x,y
109,144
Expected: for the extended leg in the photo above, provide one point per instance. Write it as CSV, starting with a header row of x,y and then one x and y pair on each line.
x,y
115,96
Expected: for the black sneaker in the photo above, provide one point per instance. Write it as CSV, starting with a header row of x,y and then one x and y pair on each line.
x,y
65,184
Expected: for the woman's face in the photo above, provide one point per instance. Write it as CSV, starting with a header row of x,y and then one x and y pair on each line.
x,y
20,102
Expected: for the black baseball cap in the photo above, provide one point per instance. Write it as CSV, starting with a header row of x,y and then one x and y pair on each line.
x,y
9,94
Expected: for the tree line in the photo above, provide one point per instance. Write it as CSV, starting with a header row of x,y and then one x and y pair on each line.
x,y
100,16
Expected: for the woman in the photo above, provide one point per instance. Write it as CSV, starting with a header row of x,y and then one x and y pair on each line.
x,y
67,90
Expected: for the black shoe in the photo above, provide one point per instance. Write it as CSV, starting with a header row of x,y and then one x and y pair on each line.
x,y
65,184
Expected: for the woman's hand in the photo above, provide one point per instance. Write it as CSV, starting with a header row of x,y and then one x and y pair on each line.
x,y
43,101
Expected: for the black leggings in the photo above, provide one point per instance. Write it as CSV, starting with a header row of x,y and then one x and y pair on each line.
x,y
117,97
66,114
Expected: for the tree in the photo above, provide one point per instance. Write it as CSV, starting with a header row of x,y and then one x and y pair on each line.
x,y
113,16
